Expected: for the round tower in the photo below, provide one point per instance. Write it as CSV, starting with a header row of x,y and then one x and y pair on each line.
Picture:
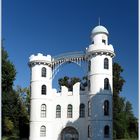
x,y
100,55
41,85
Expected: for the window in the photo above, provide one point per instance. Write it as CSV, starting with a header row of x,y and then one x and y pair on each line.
x,y
89,131
43,131
89,108
82,111
106,84
106,131
58,111
43,72
89,85
104,41
43,90
106,107
43,111
106,63
89,65
69,113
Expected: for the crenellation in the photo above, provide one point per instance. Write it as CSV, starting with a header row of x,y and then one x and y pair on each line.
x,y
77,114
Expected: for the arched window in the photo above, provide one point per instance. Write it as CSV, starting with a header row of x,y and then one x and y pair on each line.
x,y
43,90
82,111
106,107
106,84
43,72
58,111
89,85
69,113
42,131
89,131
106,63
106,131
89,66
43,111
89,108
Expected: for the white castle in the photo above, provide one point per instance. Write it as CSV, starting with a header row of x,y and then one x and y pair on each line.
x,y
76,114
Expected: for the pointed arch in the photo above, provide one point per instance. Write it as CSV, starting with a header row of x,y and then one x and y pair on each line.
x,y
106,131
106,107
69,111
42,131
82,111
106,63
58,111
106,84
43,72
43,90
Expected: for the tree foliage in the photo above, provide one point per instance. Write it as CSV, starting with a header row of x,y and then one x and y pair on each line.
x,y
123,117
125,124
14,112
16,103
68,82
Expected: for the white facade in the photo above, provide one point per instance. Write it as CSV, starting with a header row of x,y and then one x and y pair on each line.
x,y
74,115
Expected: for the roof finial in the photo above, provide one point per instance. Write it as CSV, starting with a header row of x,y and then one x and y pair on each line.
x,y
99,21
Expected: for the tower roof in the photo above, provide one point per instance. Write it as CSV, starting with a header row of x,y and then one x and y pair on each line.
x,y
99,29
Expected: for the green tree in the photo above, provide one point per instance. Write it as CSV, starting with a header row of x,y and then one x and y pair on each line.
x,y
8,98
125,125
68,82
8,72
15,109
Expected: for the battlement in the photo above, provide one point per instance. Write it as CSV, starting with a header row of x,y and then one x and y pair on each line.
x,y
65,92
40,57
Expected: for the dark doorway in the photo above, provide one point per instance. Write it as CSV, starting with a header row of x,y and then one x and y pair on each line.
x,y
69,133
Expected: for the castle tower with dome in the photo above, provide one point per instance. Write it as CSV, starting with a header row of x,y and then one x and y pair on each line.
x,y
77,114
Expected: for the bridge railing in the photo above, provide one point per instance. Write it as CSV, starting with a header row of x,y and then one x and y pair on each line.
x,y
69,55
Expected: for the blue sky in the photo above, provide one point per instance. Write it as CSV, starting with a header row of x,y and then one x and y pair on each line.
x,y
58,26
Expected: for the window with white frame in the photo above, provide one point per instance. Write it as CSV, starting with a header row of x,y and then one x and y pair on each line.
x,y
69,111
43,72
43,90
58,111
42,131
82,111
106,63
43,111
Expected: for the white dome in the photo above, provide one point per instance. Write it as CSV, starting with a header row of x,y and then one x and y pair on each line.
x,y
99,29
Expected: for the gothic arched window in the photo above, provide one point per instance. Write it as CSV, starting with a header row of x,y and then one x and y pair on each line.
x,y
89,65
89,108
106,107
58,111
42,131
82,111
43,111
43,90
43,72
106,63
106,131
89,131
69,111
89,85
106,84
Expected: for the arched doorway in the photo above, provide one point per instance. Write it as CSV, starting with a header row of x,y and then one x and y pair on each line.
x,y
69,133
